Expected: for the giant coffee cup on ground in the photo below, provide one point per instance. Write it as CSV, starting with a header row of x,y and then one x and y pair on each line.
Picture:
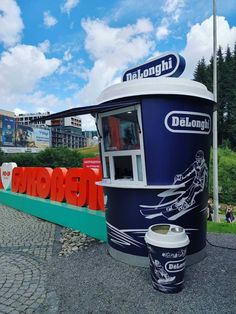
x,y
167,247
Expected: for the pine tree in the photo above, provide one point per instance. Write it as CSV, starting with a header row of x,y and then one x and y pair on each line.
x,y
200,72
233,104
226,92
220,95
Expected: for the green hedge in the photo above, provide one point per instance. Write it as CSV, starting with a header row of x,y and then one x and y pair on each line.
x,y
50,157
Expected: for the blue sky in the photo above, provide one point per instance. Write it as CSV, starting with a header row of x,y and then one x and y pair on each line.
x,y
56,55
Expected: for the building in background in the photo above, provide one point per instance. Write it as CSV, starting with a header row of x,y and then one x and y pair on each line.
x,y
63,132
91,137
20,134
33,135
15,137
7,113
7,128
27,136
67,132
26,118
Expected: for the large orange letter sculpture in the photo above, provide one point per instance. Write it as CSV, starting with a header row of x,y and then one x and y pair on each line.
x,y
76,186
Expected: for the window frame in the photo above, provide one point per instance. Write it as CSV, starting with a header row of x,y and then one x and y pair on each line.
x,y
132,152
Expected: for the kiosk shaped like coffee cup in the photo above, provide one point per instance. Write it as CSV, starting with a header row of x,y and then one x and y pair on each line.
x,y
167,247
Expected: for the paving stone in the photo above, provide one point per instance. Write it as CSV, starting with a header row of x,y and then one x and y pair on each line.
x,y
13,311
8,295
9,301
25,242
8,309
3,308
29,302
29,311
22,308
16,304
4,290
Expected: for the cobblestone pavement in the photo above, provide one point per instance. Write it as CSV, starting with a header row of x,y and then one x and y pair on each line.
x,y
26,244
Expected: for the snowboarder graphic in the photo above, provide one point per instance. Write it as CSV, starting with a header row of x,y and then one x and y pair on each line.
x,y
193,180
197,175
162,277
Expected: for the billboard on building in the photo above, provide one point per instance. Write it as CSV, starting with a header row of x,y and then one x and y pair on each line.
x,y
27,136
42,138
8,131
24,136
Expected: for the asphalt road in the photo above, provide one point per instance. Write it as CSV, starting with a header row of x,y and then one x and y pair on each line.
x,y
93,282
34,279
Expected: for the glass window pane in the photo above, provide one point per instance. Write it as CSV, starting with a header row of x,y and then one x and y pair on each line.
x,y
139,168
107,167
121,131
123,167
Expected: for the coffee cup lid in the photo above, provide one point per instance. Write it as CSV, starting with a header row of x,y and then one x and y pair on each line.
x,y
166,235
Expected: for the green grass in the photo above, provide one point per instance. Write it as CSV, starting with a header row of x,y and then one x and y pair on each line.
x,y
221,227
91,151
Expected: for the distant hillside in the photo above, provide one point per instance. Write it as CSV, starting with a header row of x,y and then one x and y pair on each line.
x,y
91,151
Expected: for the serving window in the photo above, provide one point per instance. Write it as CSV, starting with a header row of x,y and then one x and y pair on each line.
x,y
123,167
121,131
122,145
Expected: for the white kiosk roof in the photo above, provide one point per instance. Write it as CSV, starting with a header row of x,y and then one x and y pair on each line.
x,y
140,87
155,86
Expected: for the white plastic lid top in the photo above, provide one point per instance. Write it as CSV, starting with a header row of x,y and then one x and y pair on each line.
x,y
167,236
155,86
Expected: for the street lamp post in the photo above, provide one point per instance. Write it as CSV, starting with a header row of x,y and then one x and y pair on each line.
x,y
215,144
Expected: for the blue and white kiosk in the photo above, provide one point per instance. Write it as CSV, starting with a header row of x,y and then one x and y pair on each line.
x,y
155,135
155,147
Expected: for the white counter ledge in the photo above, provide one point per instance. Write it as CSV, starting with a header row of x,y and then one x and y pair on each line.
x,y
131,185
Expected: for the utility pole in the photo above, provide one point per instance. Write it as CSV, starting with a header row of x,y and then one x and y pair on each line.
x,y
214,131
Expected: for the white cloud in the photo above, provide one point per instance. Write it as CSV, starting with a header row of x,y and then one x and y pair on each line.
x,y
48,19
100,77
67,55
11,24
112,50
142,26
33,102
88,122
129,8
171,6
163,31
173,10
81,71
42,101
21,68
44,46
69,5
200,41
18,111
117,46
76,68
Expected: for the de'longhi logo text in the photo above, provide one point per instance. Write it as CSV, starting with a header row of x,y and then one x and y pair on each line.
x,y
188,122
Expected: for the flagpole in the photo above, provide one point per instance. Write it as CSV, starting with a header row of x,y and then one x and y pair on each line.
x,y
215,141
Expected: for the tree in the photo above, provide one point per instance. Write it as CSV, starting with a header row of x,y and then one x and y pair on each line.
x,y
226,100
221,101
50,157
200,73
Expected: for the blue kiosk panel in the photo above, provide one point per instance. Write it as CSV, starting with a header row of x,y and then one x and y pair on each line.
x,y
170,147
175,131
